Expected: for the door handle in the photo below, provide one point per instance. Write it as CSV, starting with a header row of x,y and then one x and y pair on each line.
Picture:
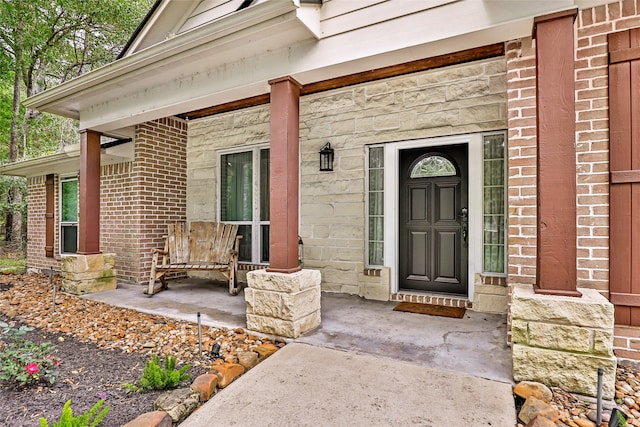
x,y
464,216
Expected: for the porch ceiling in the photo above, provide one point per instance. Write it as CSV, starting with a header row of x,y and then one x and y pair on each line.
x,y
234,58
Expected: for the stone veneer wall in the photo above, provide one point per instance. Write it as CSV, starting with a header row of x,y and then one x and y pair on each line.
x,y
460,99
562,341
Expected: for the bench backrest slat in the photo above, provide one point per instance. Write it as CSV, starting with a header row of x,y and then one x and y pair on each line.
x,y
178,243
201,241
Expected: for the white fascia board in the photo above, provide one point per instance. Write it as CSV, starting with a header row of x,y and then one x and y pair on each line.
x,y
149,25
66,161
166,21
203,79
62,162
72,91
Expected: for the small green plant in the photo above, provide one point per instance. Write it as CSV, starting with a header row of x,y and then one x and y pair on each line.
x,y
155,377
622,421
13,265
91,418
23,361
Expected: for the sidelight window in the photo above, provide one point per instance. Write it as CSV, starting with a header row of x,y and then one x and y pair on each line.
x,y
375,194
494,212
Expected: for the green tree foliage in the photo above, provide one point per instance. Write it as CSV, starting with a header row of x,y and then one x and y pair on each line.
x,y
44,43
5,116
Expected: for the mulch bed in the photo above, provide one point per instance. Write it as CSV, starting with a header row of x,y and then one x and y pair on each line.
x,y
101,348
86,374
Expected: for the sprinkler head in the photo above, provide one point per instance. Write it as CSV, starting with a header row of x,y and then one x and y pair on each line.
x,y
215,351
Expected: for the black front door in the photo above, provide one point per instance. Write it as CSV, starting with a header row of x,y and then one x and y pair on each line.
x,y
433,219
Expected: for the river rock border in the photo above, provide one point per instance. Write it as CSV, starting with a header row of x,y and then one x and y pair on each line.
x,y
176,405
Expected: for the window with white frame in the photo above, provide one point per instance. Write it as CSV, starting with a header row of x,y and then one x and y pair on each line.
x,y
244,200
494,208
375,211
69,215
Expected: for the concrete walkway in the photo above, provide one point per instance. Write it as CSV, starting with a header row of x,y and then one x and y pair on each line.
x,y
365,365
303,385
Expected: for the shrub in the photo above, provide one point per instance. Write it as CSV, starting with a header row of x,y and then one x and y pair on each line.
x,y
155,377
23,361
91,418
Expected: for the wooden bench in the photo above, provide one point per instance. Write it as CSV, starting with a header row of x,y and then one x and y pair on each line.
x,y
198,246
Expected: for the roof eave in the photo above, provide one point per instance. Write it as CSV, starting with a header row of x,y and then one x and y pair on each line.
x,y
52,100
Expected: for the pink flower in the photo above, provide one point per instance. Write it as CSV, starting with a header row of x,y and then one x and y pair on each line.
x,y
54,360
32,368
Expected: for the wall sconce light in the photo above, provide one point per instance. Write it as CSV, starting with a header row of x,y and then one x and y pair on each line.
x,y
326,158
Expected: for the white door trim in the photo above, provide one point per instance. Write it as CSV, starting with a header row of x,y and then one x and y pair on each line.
x,y
391,201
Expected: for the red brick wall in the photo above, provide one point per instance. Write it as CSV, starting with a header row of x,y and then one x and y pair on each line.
x,y
521,106
592,147
117,224
592,154
159,185
137,200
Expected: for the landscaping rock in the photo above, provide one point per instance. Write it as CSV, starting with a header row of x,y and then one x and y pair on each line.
x,y
541,421
124,332
151,419
205,385
534,407
265,350
526,389
248,359
583,422
178,403
227,373
593,416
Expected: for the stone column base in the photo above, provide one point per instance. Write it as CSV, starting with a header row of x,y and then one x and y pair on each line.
x,y
562,341
85,274
286,305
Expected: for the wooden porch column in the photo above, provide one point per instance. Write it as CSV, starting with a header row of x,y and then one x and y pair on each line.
x,y
89,197
284,171
556,156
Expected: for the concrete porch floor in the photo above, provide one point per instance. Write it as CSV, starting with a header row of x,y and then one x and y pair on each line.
x,y
475,345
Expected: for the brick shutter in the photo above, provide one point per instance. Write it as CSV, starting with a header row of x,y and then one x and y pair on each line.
x,y
624,223
49,215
